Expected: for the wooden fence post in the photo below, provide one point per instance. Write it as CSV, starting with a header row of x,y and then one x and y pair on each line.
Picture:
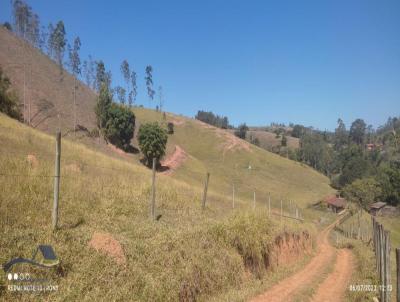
x,y
56,181
233,196
254,199
153,191
205,191
269,204
381,261
281,210
398,274
387,279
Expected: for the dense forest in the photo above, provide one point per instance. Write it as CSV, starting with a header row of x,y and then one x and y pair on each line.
x,y
362,162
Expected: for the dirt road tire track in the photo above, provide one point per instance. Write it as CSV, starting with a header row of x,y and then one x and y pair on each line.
x,y
333,288
287,288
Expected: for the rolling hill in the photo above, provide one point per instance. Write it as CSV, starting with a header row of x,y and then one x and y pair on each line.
x,y
187,255
208,148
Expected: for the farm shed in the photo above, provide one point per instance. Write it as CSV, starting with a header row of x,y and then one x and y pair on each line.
x,y
336,204
376,208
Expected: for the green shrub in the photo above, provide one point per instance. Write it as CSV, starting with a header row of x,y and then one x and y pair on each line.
x,y
170,127
152,141
120,126
8,99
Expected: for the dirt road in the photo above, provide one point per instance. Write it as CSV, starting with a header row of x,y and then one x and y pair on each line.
x,y
334,286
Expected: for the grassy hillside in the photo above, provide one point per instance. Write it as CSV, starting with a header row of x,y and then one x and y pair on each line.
x,y
187,254
48,92
269,140
228,159
208,148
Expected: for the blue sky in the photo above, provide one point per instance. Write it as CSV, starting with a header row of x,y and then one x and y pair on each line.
x,y
257,62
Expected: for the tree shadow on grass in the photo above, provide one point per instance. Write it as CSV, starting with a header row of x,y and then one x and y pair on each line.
x,y
131,149
159,167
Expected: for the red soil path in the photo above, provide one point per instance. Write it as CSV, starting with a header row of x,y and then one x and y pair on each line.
x,y
175,160
286,289
334,286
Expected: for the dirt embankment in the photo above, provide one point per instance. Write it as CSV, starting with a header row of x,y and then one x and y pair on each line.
x,y
174,161
289,248
287,288
284,250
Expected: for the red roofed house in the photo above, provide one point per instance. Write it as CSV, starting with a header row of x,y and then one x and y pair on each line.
x,y
337,204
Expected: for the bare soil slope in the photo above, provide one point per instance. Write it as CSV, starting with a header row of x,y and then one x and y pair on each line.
x,y
48,89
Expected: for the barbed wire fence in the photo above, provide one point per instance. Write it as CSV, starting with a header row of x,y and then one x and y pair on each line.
x,y
274,207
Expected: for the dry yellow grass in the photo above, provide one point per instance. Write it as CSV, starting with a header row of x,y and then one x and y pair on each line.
x,y
187,253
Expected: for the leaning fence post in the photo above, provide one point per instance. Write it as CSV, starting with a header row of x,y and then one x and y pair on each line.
x,y
153,191
205,191
56,180
398,274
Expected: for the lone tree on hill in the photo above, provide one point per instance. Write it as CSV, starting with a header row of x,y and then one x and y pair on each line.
x,y
149,82
75,65
89,72
170,127
152,142
160,96
101,76
126,73
103,105
241,131
58,42
133,92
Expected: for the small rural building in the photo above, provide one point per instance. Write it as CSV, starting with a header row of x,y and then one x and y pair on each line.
x,y
390,211
371,147
376,208
336,204
382,209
